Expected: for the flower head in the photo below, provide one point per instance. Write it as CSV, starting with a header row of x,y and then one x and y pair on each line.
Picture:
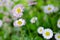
x,y
17,10
57,36
48,33
19,23
49,9
33,20
40,30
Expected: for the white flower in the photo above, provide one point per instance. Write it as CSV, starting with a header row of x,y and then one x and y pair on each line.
x,y
19,23
58,23
49,9
17,10
1,23
48,33
40,30
57,36
33,20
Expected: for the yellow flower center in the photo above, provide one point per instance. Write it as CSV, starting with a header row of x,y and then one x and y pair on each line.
x,y
40,30
59,22
49,8
47,33
19,22
58,36
18,10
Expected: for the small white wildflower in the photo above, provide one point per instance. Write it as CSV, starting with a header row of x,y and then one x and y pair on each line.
x,y
40,30
19,23
33,20
48,33
17,10
57,36
49,9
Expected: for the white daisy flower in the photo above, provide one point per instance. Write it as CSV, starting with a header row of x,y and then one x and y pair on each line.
x,y
1,23
17,10
48,33
57,36
19,23
33,20
49,9
58,23
40,30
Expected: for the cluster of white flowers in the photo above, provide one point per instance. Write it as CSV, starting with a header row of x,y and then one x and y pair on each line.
x,y
18,13
50,9
47,33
